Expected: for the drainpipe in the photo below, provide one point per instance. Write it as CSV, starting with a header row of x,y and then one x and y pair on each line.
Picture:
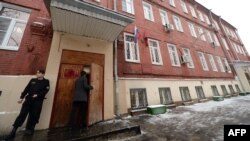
x,y
116,96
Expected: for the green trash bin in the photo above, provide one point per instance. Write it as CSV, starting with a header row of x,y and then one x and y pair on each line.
x,y
242,93
156,109
218,98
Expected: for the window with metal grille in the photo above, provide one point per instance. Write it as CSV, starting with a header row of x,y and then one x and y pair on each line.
x,y
138,98
185,95
215,90
165,96
224,90
231,89
237,88
200,92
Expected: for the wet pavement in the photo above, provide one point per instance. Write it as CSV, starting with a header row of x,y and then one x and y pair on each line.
x,y
198,122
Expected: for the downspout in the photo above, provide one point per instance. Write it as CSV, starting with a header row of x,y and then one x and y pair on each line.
x,y
116,96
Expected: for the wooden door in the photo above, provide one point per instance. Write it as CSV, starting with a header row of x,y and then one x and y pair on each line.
x,y
64,94
95,108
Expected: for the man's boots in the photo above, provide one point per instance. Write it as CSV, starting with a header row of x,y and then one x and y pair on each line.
x,y
12,134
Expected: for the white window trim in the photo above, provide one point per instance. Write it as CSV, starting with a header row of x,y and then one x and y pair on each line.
x,y
201,16
207,19
152,54
184,7
132,6
192,11
12,25
212,62
192,30
191,63
177,23
125,52
172,58
150,12
203,61
225,43
201,34
165,16
172,3
222,69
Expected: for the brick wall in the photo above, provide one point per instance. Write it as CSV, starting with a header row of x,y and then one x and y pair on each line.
x,y
35,45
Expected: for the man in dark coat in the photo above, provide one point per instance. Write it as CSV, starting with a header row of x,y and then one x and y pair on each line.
x,y
80,101
34,94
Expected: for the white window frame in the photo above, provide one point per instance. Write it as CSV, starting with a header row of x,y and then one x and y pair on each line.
x,y
172,3
164,17
186,52
203,61
192,29
207,19
139,96
12,25
201,34
212,62
227,65
192,11
173,54
148,11
216,41
178,24
201,16
210,39
222,69
131,50
184,6
153,50
225,43
129,5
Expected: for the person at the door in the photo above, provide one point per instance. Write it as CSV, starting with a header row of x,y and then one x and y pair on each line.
x,y
34,94
80,101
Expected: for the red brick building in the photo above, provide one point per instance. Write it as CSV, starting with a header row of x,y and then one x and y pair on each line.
x,y
137,53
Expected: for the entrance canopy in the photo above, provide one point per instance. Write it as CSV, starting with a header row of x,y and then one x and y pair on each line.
x,y
86,19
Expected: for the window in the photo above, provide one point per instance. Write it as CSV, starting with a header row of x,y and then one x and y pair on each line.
x,y
155,51
174,58
200,92
216,40
128,6
131,48
226,65
184,7
224,90
211,60
225,43
164,17
138,98
172,3
231,89
148,12
237,88
192,11
165,96
207,19
201,34
222,69
209,37
177,22
186,52
13,22
215,90
185,95
201,16
216,25
192,30
203,61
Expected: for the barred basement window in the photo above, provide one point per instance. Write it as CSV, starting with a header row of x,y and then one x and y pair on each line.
x,y
237,88
12,25
215,90
224,90
185,95
200,92
165,96
138,98
231,89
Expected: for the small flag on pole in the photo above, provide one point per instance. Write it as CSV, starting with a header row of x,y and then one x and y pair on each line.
x,y
136,34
